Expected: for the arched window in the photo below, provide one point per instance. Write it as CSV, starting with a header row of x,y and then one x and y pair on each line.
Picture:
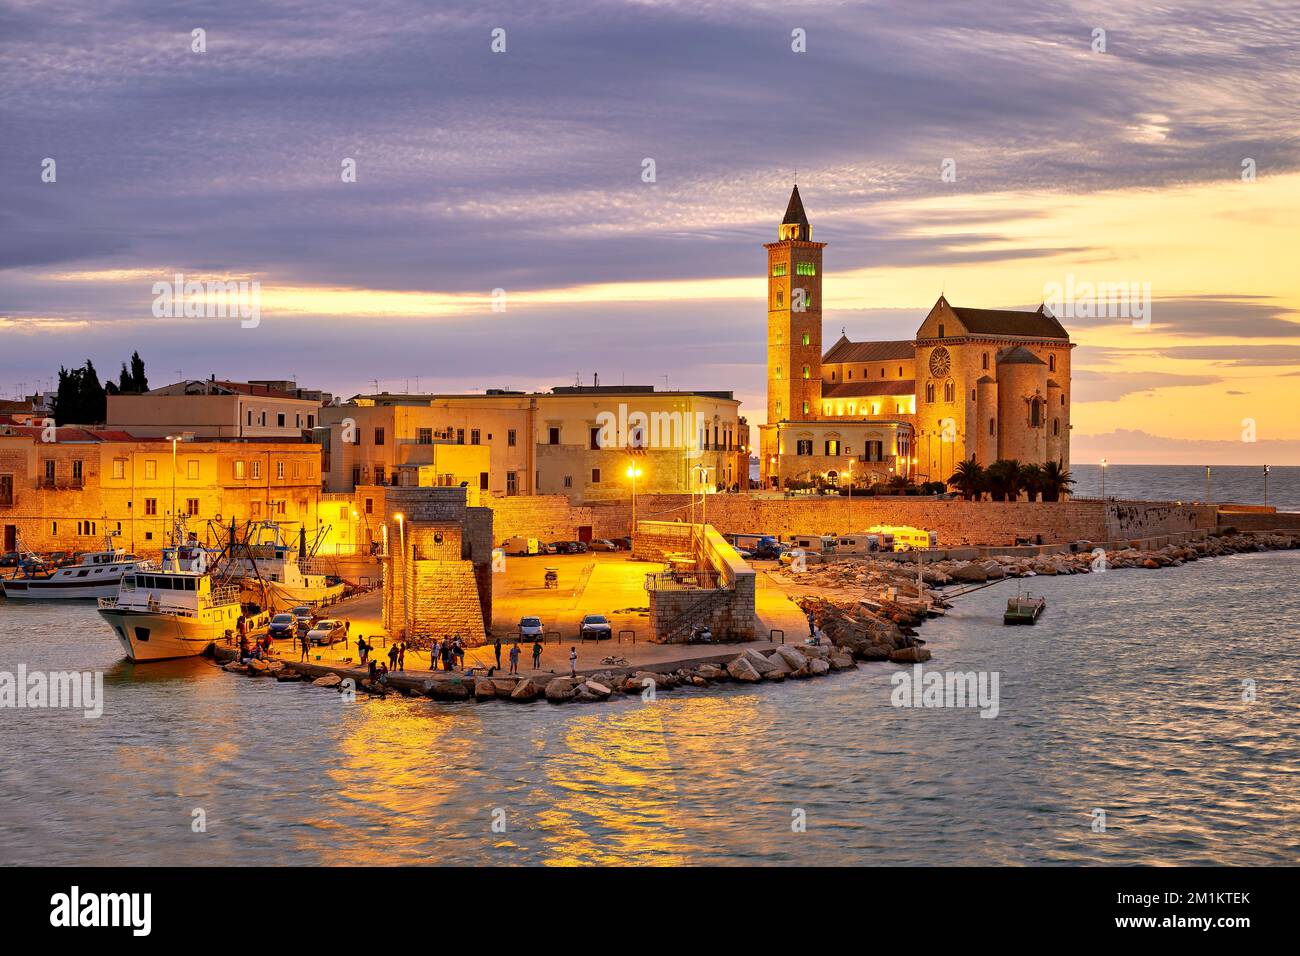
x,y
1051,363
949,391
993,425
940,330
929,393
1056,426
806,373
1035,413
986,361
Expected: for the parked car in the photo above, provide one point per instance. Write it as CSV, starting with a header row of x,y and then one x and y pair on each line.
x,y
603,544
624,543
520,546
282,626
302,614
596,627
530,627
577,547
10,559
547,547
329,631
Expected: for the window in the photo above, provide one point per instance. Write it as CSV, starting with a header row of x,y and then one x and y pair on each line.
x,y
779,268
297,469
595,476
807,339
381,476
875,451
929,392
192,469
424,436
460,436
780,298
778,408
940,330
972,394
993,426
985,361
473,436
151,506
832,446
804,446
279,470
76,469
805,408
949,392
483,481
510,438
512,483
805,268
595,439
250,416
119,467
379,436
1056,426
239,469
257,469
370,506
568,481
1035,414
553,435
1051,363
150,469
262,418
191,506
54,529
806,372
311,421
86,529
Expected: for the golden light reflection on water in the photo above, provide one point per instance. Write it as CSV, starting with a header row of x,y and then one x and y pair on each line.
x,y
616,797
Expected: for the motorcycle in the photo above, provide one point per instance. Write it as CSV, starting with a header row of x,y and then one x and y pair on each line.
x,y
700,634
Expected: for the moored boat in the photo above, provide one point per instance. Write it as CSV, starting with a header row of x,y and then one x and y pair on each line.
x,y
1024,609
97,574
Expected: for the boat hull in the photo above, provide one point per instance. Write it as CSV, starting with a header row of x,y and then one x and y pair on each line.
x,y
39,589
150,636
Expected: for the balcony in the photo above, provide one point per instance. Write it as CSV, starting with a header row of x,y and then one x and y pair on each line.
x,y
61,483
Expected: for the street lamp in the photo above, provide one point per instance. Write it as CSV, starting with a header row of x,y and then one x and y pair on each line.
x,y
174,439
1207,484
1266,486
850,505
633,472
406,610
1103,479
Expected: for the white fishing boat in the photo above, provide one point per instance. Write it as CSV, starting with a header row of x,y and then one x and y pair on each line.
x,y
96,574
275,574
177,610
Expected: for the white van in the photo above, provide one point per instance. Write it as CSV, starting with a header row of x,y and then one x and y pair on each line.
x,y
520,546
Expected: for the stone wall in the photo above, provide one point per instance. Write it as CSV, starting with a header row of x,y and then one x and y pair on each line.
x,y
729,610
1255,520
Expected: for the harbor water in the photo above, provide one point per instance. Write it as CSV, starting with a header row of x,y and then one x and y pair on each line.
x,y
1164,699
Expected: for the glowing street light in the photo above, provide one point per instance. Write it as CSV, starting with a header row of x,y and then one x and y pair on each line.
x,y
633,472
406,609
1103,479
1266,486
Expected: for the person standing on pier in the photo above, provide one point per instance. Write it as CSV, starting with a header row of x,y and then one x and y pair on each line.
x,y
392,657
306,647
363,649
573,662
514,656
458,648
537,655
496,646
812,624
401,656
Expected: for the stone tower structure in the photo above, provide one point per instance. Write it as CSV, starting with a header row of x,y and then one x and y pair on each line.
x,y
794,318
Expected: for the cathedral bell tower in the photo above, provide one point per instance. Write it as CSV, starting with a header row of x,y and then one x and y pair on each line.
x,y
794,319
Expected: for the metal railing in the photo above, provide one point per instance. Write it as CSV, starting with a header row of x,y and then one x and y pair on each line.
x,y
685,581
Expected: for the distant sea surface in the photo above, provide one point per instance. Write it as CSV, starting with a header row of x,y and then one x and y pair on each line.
x,y
1241,484
1165,699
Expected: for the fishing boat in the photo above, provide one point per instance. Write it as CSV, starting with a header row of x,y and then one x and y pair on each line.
x,y
1024,609
177,610
276,574
97,574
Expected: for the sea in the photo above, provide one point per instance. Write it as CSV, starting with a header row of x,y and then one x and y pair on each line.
x,y
1149,718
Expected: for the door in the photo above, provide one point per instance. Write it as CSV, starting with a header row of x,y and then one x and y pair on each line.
x,y
6,489
11,538
584,533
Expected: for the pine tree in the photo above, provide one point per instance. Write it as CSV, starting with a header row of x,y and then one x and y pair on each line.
x,y
139,382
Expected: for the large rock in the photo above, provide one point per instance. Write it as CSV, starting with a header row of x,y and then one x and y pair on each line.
x,y
525,690
709,672
793,658
818,667
970,574
288,676
236,668
742,670
559,690
757,661
910,655
454,689
256,668
484,689
597,688
505,686
842,662
329,680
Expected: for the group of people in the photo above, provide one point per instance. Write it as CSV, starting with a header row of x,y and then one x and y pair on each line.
x,y
256,651
514,654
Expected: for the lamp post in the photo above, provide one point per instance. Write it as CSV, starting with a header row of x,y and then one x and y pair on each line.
x,y
1266,486
1207,484
850,505
633,472
1103,479
174,439
406,610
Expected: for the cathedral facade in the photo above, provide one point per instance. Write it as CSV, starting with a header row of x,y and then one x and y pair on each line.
x,y
987,383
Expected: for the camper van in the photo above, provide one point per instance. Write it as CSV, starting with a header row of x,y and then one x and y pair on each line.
x,y
864,543
905,538
520,546
821,543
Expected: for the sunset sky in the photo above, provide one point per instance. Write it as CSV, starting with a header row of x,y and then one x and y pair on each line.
x,y
522,171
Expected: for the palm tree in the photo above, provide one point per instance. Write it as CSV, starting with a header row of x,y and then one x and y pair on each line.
x,y
1055,480
970,479
1004,479
1031,480
897,484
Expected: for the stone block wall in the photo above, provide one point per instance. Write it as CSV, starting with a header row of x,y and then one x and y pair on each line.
x,y
729,610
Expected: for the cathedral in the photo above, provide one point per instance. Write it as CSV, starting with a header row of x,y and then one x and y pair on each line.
x,y
988,383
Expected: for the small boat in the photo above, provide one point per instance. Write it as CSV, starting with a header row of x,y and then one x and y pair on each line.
x,y
276,574
97,574
1024,609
